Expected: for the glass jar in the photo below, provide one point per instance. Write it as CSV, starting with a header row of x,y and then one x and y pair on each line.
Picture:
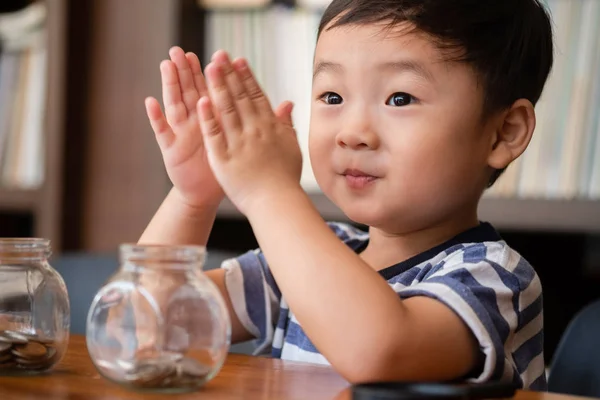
x,y
34,308
159,323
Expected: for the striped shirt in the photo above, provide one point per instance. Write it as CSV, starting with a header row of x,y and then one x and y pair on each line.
x,y
487,284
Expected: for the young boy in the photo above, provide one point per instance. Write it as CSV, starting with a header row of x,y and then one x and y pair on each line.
x,y
417,107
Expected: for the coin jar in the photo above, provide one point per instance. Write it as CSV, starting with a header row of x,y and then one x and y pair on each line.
x,y
34,308
159,323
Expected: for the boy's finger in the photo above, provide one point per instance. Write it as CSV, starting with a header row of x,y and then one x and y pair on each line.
x,y
158,122
284,113
189,93
215,140
175,110
242,101
256,94
196,68
223,103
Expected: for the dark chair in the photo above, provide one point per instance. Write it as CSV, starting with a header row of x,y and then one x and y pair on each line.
x,y
575,367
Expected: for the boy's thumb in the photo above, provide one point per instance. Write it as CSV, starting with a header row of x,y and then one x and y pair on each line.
x,y
284,113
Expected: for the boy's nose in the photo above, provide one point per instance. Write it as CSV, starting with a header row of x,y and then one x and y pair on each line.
x,y
357,137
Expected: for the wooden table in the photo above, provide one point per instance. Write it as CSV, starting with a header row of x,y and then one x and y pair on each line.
x,y
242,377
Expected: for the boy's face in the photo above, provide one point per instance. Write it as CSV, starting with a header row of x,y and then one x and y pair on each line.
x,y
396,136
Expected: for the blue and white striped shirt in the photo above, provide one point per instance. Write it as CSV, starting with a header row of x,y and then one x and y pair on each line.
x,y
489,285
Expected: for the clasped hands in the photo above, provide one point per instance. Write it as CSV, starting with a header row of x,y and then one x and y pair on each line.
x,y
253,153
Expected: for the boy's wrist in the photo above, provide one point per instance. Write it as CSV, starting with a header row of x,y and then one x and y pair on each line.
x,y
201,208
271,200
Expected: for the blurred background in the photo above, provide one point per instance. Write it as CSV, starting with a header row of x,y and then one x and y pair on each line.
x,y
79,164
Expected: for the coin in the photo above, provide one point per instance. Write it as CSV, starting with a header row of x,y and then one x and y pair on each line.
x,y
27,361
169,357
156,370
31,350
124,365
38,339
149,373
9,365
105,365
193,368
14,337
5,357
5,347
52,353
142,373
26,351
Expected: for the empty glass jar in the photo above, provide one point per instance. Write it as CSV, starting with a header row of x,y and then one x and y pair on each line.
x,y
34,308
159,324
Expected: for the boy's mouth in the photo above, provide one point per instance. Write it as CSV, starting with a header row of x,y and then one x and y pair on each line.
x,y
357,179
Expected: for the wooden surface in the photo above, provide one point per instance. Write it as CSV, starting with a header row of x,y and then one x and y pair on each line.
x,y
242,377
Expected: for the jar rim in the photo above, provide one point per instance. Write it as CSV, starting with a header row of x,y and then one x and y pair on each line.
x,y
24,249
24,244
162,252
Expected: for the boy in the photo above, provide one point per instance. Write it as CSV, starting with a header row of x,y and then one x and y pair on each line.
x,y
418,105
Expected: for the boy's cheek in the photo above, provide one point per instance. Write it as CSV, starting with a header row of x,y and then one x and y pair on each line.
x,y
320,147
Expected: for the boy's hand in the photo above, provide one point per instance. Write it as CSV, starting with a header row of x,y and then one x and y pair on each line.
x,y
253,151
178,134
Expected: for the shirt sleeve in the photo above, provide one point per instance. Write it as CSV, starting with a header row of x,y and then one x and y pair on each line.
x,y
484,295
254,294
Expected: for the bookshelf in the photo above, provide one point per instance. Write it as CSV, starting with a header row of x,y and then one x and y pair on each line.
x,y
114,178
19,199
527,215
43,202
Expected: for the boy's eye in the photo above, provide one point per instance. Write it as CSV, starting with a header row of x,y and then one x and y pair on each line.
x,y
400,99
331,98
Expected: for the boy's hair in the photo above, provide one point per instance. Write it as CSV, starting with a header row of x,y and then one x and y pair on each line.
x,y
507,42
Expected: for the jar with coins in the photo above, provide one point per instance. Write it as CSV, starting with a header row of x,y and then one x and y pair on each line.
x,y
34,308
159,323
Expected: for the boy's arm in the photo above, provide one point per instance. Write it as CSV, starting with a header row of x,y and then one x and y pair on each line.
x,y
349,312
238,332
177,223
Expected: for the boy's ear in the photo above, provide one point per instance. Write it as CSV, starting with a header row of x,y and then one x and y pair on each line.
x,y
513,134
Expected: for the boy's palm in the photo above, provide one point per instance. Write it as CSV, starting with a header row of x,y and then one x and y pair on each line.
x,y
178,133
